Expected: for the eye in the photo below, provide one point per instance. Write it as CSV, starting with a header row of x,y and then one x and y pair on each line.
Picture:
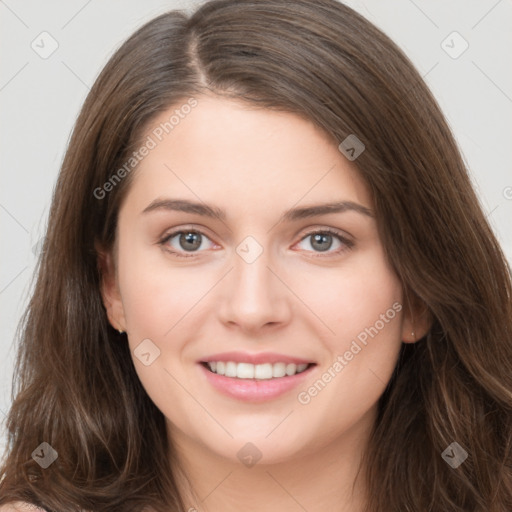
x,y
190,241
181,242
323,240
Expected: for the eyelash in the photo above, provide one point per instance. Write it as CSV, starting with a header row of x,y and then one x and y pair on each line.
x,y
347,244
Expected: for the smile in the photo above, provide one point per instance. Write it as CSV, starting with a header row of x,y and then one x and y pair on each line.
x,y
249,382
255,371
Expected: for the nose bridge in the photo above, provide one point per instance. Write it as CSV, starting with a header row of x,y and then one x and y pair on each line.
x,y
255,296
251,273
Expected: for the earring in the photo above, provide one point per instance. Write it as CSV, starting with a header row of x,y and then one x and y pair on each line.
x,y
120,331
413,336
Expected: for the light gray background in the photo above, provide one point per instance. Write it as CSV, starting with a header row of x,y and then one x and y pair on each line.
x,y
40,99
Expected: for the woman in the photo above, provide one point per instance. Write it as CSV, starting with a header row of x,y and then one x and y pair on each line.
x,y
267,284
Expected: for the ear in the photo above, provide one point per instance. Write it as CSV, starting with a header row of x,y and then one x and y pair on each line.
x,y
109,289
417,319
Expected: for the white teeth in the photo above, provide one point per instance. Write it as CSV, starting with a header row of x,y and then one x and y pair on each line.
x,y
263,371
244,371
291,369
255,371
230,369
279,370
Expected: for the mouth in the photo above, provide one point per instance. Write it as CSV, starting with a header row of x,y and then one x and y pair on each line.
x,y
255,383
265,371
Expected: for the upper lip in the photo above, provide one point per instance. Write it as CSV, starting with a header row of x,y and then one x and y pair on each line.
x,y
255,358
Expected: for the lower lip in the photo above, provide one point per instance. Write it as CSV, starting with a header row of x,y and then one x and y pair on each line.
x,y
253,390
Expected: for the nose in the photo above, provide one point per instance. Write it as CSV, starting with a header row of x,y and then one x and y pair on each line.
x,y
254,295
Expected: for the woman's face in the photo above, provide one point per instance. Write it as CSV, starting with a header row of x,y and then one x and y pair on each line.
x,y
222,258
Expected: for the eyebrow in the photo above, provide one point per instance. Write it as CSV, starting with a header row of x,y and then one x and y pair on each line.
x,y
293,214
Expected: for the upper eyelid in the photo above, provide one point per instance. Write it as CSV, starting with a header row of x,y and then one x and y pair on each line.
x,y
172,233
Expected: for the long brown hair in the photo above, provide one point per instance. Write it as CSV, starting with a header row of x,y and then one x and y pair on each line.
x,y
76,387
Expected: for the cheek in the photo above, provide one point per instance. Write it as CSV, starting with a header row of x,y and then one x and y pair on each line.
x,y
352,297
363,298
361,304
366,314
157,295
160,303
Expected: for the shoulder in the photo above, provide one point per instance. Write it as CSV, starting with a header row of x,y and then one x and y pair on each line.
x,y
20,507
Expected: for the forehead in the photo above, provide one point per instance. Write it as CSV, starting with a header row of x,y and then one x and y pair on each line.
x,y
229,151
